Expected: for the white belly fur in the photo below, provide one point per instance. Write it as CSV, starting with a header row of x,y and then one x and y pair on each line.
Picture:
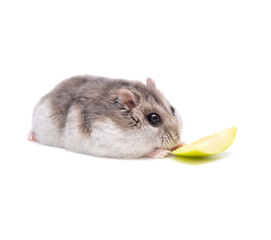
x,y
105,139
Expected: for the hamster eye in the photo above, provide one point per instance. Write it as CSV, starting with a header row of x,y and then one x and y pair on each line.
x,y
154,118
172,110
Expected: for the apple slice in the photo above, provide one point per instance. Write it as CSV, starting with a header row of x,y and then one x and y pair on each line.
x,y
207,146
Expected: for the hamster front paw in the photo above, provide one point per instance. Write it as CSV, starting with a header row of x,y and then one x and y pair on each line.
x,y
178,146
158,153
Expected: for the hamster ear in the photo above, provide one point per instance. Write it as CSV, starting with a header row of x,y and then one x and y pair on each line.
x,y
127,99
150,83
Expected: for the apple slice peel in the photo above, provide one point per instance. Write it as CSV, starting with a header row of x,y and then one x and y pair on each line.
x,y
208,146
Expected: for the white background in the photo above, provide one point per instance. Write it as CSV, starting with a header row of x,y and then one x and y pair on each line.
x,y
212,60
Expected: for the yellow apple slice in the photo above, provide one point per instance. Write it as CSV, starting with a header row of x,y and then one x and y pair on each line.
x,y
207,146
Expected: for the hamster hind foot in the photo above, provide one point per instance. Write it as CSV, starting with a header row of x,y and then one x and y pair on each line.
x,y
32,137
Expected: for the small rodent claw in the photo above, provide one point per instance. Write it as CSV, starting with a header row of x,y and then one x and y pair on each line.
x,y
180,144
158,153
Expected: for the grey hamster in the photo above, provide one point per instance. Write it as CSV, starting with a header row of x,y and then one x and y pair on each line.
x,y
107,117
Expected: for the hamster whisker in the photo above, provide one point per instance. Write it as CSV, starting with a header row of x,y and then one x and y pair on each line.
x,y
168,140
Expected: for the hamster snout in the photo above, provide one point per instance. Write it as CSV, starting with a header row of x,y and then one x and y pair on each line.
x,y
107,117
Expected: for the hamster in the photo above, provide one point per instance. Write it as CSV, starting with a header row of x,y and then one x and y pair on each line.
x,y
107,117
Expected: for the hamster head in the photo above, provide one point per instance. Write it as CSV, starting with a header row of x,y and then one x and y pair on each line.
x,y
148,116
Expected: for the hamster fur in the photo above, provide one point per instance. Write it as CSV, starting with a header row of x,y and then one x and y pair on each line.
x,y
107,117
